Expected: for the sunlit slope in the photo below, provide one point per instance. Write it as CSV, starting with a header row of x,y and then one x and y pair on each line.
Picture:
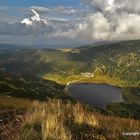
x,y
117,63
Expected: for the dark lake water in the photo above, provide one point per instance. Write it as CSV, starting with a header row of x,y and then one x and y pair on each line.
x,y
97,95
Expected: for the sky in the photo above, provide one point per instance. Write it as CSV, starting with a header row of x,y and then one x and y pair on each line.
x,y
58,23
49,3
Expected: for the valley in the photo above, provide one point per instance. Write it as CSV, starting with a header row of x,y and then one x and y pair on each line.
x,y
32,75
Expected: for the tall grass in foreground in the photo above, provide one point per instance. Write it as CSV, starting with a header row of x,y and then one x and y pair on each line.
x,y
55,120
48,121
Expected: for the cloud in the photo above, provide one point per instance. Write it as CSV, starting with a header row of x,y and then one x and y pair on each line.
x,y
28,26
93,27
95,20
65,10
129,6
106,20
127,27
35,19
99,5
96,27
40,9
22,29
35,29
110,20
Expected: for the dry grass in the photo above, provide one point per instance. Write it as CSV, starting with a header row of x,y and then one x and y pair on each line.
x,y
11,116
55,120
51,117
82,116
14,103
9,130
115,126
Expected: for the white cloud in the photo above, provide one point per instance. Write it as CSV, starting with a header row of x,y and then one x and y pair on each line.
x,y
101,20
132,6
40,9
65,10
34,19
110,20
96,27
127,27
99,5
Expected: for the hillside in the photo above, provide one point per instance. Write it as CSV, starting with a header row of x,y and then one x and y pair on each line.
x,y
74,122
32,88
117,63
33,76
64,120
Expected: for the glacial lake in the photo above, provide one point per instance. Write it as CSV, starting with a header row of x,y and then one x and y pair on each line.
x,y
96,95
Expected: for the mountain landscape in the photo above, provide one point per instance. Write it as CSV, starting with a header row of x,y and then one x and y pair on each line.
x,y
70,70
34,76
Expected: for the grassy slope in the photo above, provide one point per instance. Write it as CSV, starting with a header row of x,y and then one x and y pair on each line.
x,y
74,122
118,63
56,119
32,88
115,63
